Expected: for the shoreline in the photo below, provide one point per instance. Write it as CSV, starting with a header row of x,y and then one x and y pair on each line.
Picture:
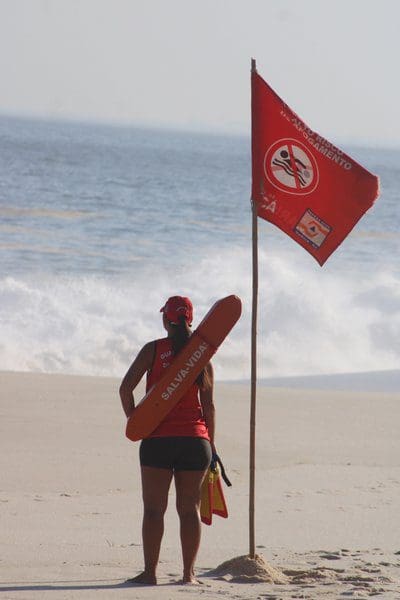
x,y
385,381
364,381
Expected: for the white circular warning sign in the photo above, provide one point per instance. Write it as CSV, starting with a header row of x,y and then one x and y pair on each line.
x,y
290,167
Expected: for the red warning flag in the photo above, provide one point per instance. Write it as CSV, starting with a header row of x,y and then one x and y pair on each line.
x,y
302,183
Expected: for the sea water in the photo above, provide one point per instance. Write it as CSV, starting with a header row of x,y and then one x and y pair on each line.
x,y
99,225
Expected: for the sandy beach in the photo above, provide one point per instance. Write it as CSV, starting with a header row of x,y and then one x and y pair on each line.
x,y
327,494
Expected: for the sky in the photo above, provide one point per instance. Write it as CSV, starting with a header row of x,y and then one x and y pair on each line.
x,y
186,63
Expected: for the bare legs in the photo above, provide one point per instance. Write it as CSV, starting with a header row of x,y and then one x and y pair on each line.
x,y
155,484
188,490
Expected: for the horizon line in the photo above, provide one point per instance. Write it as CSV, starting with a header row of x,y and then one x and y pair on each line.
x,y
176,127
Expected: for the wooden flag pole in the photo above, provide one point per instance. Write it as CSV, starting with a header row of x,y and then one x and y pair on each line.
x,y
252,547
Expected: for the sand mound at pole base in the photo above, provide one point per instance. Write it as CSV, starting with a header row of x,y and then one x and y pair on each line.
x,y
244,569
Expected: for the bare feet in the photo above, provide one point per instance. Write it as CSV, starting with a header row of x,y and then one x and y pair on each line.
x,y
190,580
142,579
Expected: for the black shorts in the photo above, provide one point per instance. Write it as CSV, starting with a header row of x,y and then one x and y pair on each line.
x,y
176,453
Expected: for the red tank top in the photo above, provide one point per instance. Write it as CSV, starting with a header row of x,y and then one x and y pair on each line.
x,y
186,418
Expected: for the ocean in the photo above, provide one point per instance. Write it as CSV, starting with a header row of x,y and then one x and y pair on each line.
x,y
100,224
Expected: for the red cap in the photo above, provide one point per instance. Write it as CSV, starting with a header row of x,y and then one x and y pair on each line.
x,y
176,306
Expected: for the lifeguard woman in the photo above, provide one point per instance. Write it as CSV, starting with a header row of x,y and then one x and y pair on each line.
x,y
180,447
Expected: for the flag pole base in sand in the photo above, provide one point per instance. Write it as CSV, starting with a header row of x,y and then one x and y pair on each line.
x,y
245,569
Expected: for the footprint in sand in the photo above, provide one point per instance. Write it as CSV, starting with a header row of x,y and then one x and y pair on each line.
x,y
330,555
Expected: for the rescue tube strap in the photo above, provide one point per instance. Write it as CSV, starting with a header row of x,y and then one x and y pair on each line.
x,y
216,460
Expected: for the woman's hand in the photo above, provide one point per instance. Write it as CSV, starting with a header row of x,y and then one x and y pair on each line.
x,y
128,416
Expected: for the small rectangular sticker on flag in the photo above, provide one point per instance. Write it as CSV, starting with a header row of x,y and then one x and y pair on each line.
x,y
312,229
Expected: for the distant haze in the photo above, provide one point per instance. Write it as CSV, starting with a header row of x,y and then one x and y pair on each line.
x,y
185,64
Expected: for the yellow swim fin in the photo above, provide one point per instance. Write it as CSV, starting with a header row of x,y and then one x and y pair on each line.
x,y
212,496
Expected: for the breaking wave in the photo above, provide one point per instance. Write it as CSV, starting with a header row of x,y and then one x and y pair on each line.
x,y
311,320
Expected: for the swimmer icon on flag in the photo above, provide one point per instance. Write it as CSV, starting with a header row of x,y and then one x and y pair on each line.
x,y
302,183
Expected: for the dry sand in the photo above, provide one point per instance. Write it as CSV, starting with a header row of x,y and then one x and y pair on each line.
x,y
327,500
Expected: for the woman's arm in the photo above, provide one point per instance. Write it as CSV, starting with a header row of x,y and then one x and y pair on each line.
x,y
207,403
142,363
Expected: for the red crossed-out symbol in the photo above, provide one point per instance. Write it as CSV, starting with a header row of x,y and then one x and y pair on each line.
x,y
291,167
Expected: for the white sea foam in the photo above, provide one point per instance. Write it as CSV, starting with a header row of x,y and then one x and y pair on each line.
x,y
311,320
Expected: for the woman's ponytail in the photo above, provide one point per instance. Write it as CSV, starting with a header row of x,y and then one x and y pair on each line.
x,y
180,334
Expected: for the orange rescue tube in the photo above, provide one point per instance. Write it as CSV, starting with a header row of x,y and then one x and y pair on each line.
x,y
182,373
